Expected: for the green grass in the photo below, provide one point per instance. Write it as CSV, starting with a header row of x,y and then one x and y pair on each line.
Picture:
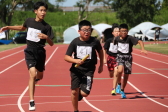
x,y
9,46
159,48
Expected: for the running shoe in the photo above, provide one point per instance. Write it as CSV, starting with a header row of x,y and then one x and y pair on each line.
x,y
113,92
123,96
118,89
32,106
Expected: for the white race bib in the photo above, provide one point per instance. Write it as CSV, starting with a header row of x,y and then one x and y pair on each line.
x,y
82,51
32,35
113,48
123,47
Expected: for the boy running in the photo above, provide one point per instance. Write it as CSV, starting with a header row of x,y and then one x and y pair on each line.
x,y
82,76
38,32
124,54
111,51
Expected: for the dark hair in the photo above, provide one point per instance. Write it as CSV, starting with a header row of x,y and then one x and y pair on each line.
x,y
125,26
113,27
114,24
39,4
84,23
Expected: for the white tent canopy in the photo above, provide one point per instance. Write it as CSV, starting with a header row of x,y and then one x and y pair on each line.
x,y
101,27
72,32
146,29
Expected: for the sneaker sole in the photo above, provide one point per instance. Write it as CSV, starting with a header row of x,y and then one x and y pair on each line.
x,y
113,94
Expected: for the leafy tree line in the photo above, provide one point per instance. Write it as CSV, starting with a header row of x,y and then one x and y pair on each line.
x,y
132,12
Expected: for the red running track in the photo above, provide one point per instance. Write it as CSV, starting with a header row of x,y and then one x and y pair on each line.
x,y
146,90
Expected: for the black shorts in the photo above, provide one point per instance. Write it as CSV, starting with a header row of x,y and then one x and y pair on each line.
x,y
157,37
126,61
35,57
82,81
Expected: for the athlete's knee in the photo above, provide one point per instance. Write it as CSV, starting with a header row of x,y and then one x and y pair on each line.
x,y
84,94
74,92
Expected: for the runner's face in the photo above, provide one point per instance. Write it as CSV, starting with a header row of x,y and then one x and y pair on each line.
x,y
85,32
116,32
40,13
123,32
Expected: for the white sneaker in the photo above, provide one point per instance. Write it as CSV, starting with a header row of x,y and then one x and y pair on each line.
x,y
32,106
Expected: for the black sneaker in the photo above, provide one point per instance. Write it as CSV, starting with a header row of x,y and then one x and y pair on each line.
x,y
32,106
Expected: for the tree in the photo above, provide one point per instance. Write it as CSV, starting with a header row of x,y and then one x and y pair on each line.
x,y
7,8
58,2
165,4
29,5
134,12
106,3
83,7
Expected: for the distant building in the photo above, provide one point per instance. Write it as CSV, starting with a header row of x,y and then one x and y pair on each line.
x,y
90,8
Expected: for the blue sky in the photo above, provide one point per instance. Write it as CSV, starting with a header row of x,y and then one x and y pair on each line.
x,y
67,3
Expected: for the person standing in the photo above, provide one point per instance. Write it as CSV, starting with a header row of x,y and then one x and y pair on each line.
x,y
157,34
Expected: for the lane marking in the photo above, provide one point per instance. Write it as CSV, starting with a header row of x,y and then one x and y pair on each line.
x,y
11,66
12,49
80,101
147,96
141,91
21,96
159,68
11,54
54,85
92,105
150,70
128,94
153,53
150,58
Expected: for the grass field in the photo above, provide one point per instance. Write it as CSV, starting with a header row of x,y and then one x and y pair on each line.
x,y
9,46
160,48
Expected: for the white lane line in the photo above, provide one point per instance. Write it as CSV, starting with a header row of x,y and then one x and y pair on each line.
x,y
81,101
92,105
150,70
142,92
147,96
150,58
21,96
153,53
10,55
12,48
11,66
136,94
